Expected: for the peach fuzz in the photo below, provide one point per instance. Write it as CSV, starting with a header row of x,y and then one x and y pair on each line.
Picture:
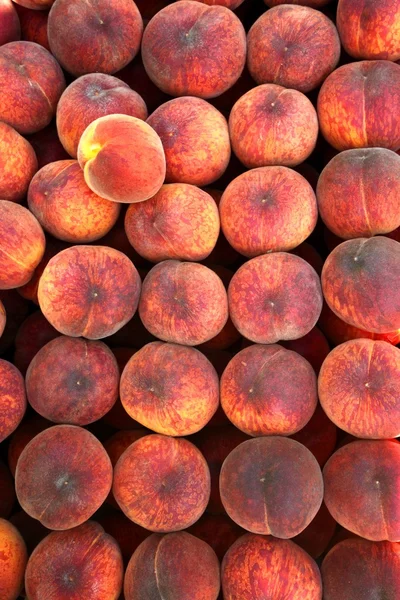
x,y
180,222
7,498
83,373
315,538
219,531
31,83
10,29
63,476
170,389
370,30
358,193
12,398
90,97
162,483
359,282
293,46
177,565
268,209
19,164
122,158
313,346
94,37
33,25
212,40
268,390
89,291
275,297
319,436
357,388
3,318
84,562
66,207
358,106
195,138
183,303
266,567
13,559
26,431
272,125
362,482
357,568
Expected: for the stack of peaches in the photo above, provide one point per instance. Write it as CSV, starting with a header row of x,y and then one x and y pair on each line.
x,y
199,299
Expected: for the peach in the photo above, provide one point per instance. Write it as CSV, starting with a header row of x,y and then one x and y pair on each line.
x,y
275,297
272,125
212,41
90,97
293,46
84,562
370,30
316,537
232,4
13,559
177,565
258,567
271,485
218,531
162,483
32,335
12,398
268,390
359,282
313,346
3,318
223,254
358,193
268,209
94,37
358,106
19,164
89,291
117,238
47,146
183,303
63,476
362,482
7,498
10,29
358,568
34,25
122,158
31,83
35,4
180,222
84,373
170,389
195,138
66,207
319,436
26,431
358,385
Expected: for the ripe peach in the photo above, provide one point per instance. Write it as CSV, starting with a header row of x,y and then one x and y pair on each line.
x,y
34,25
66,207
84,562
25,432
84,373
293,46
12,398
359,282
10,29
162,483
89,291
275,297
195,138
266,567
271,485
358,568
358,106
122,158
219,531
31,83
90,97
170,389
181,221
183,303
35,4
63,476
362,482
370,30
268,390
177,565
268,209
212,41
315,538
47,146
94,37
13,558
7,497
358,192
272,125
19,164
313,346
319,436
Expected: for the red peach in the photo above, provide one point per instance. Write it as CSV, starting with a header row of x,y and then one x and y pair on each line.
x,y
35,4
315,538
19,164
232,4
26,431
12,398
10,29
13,559
34,25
